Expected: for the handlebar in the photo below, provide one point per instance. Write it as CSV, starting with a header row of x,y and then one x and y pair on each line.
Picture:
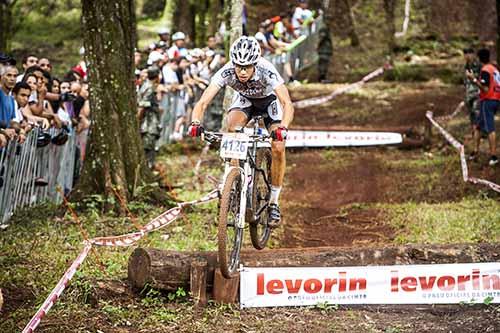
x,y
212,137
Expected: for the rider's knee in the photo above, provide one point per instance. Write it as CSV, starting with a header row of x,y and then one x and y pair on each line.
x,y
278,147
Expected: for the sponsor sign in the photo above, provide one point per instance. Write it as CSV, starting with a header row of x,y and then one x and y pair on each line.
x,y
340,139
411,284
297,138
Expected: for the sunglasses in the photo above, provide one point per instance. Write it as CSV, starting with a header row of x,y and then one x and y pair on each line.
x,y
245,68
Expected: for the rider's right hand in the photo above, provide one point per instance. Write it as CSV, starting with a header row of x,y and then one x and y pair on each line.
x,y
195,129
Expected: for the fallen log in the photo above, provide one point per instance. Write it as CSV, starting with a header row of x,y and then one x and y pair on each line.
x,y
170,270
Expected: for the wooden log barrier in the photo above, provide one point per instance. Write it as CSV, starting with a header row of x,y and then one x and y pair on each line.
x,y
170,269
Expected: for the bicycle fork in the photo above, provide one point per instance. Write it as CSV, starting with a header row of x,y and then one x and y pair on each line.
x,y
246,179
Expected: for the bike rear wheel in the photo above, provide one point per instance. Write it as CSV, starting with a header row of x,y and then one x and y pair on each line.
x,y
259,228
229,236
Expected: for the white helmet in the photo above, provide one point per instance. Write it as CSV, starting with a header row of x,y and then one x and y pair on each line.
x,y
245,51
178,36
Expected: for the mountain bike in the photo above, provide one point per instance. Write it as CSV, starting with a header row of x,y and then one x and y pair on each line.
x,y
244,194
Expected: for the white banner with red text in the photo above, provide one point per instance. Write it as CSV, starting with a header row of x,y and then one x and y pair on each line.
x,y
402,284
299,138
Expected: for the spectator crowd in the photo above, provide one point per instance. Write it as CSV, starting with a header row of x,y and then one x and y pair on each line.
x,y
30,96
170,77
169,68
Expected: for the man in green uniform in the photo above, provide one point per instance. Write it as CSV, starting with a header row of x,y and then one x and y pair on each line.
x,y
325,51
149,113
471,90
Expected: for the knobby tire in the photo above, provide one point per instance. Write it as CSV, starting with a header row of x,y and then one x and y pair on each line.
x,y
229,247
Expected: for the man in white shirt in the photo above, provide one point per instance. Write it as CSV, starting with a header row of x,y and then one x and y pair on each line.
x,y
300,14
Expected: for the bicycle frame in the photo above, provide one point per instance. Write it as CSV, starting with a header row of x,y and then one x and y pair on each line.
x,y
247,173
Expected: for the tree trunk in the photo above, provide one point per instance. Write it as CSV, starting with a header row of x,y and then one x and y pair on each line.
x,y
170,269
184,18
201,27
5,24
169,13
352,28
215,11
236,30
115,158
345,26
389,7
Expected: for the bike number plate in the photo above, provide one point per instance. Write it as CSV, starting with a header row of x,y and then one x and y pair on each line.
x,y
234,146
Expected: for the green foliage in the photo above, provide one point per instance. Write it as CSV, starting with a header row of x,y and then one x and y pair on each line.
x,y
179,294
48,28
488,300
421,73
327,307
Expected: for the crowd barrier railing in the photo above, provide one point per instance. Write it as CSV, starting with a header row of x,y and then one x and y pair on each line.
x,y
31,172
301,53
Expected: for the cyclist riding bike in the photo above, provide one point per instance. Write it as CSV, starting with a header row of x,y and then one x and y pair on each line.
x,y
260,90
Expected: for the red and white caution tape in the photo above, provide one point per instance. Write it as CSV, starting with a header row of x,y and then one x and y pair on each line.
x,y
323,99
457,110
463,160
57,291
406,21
123,240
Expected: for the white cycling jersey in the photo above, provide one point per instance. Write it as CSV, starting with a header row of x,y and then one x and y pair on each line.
x,y
262,84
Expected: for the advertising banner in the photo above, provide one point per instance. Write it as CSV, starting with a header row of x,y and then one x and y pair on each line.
x,y
405,284
340,139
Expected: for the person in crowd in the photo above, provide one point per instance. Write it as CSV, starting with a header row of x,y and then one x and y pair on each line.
x,y
21,93
64,87
178,49
280,30
489,97
81,68
149,114
83,116
164,36
211,44
325,52
156,58
8,77
277,45
27,62
137,58
32,81
45,65
471,97
266,49
300,15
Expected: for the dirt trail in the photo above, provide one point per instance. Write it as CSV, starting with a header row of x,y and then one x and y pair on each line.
x,y
327,191
316,194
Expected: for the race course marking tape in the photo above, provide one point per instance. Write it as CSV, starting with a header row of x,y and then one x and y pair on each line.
x,y
323,99
460,147
158,222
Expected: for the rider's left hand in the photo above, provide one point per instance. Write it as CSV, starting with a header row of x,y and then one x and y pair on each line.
x,y
279,134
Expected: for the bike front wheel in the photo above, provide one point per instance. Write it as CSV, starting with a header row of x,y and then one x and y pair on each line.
x,y
229,236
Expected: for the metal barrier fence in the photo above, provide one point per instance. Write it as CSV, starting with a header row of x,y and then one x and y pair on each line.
x,y
31,173
301,54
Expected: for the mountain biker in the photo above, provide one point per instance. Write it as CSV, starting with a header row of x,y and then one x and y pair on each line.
x,y
260,90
